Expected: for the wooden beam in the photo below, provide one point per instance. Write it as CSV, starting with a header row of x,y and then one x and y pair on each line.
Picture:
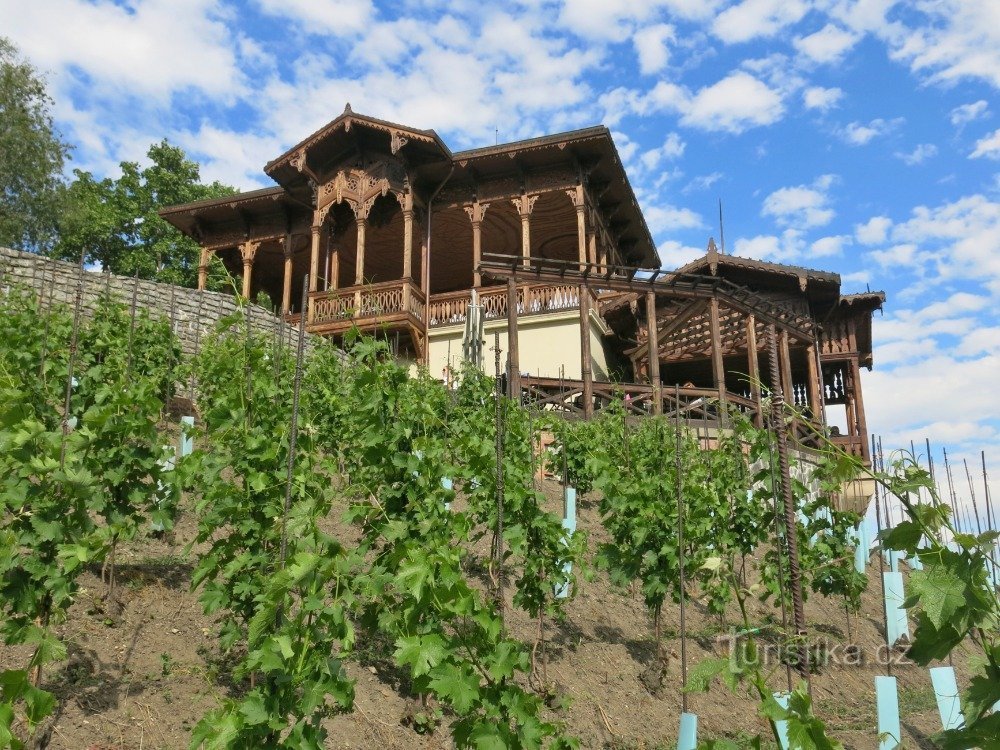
x,y
653,351
513,360
313,267
359,266
585,366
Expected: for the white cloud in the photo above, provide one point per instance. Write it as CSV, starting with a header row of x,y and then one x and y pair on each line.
x,y
966,113
827,45
988,146
787,247
919,155
949,40
333,17
229,157
615,20
874,231
757,18
702,182
664,218
651,47
829,246
801,206
817,97
734,104
153,49
675,254
859,134
672,148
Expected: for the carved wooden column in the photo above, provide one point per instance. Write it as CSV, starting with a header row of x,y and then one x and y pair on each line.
x,y
815,397
335,265
753,369
786,370
586,370
476,213
286,280
653,352
577,197
592,247
718,368
407,235
248,250
513,359
359,267
314,262
524,206
203,269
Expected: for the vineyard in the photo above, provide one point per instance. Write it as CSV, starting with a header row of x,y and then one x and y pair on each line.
x,y
352,555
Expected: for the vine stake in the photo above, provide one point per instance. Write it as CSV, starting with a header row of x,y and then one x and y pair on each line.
x,y
293,433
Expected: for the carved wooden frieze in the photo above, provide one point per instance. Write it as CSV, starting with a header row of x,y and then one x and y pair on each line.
x,y
525,204
476,212
361,185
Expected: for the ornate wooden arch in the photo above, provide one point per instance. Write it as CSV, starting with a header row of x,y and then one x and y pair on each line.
x,y
362,184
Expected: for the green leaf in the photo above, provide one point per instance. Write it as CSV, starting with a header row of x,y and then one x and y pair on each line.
x,y
420,653
941,591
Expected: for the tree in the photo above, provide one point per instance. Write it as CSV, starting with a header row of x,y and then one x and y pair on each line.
x,y
116,221
31,155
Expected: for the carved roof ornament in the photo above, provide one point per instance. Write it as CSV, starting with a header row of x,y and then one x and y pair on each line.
x,y
525,204
576,197
397,141
712,254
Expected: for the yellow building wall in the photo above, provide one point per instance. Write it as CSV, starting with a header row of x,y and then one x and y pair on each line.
x,y
548,346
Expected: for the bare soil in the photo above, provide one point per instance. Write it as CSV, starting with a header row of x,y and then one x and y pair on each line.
x,y
143,679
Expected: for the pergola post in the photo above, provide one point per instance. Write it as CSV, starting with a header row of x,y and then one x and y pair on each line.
x,y
203,270
753,369
513,360
653,351
718,369
286,279
861,426
248,250
586,371
476,212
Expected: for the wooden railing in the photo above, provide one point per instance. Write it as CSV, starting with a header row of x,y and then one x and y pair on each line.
x,y
374,301
450,308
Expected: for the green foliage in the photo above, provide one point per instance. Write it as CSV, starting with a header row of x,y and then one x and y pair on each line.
x,y
280,583
31,155
117,224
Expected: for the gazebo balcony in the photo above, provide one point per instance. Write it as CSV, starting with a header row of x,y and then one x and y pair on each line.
x,y
450,308
387,305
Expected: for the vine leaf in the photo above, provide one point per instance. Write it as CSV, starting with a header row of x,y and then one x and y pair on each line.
x,y
420,652
941,593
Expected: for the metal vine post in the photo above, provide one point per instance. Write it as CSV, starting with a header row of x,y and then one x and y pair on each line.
x,y
131,327
881,572
972,494
679,484
77,303
293,432
497,550
779,533
791,540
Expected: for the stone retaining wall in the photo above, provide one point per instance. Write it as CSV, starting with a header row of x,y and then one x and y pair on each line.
x,y
191,309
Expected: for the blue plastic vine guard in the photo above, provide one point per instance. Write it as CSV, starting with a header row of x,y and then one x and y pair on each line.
x,y
167,463
887,701
569,526
947,696
782,726
187,437
897,625
687,737
447,484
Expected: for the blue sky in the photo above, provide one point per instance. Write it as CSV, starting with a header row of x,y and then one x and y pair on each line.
x,y
856,136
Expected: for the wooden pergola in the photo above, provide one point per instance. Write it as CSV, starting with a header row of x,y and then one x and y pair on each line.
x,y
706,314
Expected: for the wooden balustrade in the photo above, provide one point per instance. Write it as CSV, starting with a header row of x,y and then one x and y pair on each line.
x,y
371,304
450,308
